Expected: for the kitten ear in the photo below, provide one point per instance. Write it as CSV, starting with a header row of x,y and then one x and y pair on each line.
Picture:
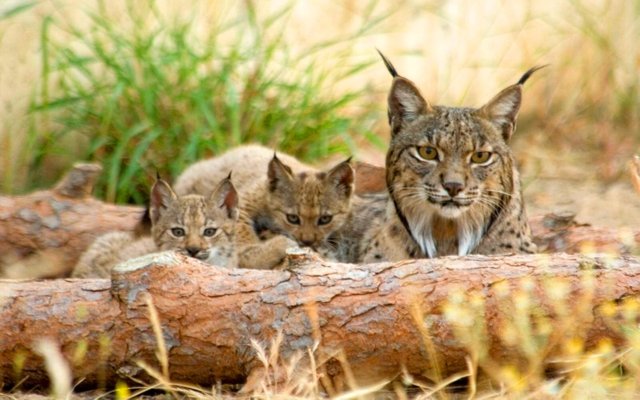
x,y
278,173
503,109
162,196
405,101
342,177
226,196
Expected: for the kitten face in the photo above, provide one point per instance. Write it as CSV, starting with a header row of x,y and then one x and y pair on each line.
x,y
309,206
194,225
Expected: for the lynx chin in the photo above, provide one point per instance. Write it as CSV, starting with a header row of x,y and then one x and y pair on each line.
x,y
451,176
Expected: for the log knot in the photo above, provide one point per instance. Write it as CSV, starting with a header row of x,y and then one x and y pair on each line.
x,y
125,287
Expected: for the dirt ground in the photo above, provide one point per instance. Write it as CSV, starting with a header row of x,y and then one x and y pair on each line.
x,y
560,182
613,205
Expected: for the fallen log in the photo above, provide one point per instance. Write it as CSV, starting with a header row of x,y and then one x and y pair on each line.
x,y
417,315
43,234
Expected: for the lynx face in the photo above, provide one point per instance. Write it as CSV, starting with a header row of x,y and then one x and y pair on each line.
x,y
450,166
309,206
194,225
450,171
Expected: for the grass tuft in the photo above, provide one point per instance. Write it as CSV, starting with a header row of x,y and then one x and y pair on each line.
x,y
142,91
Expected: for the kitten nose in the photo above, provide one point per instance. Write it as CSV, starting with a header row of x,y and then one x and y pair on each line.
x,y
307,242
193,251
453,188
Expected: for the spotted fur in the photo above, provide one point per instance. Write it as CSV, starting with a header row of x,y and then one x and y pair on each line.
x,y
284,202
445,198
194,225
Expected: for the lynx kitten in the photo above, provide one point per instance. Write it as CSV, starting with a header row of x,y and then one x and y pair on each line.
x,y
283,202
452,179
194,225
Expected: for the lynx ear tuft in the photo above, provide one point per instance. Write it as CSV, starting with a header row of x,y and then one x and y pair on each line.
x,y
405,101
162,196
503,109
530,72
387,63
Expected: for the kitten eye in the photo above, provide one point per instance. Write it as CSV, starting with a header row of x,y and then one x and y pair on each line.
x,y
480,157
209,232
428,153
293,219
325,219
177,232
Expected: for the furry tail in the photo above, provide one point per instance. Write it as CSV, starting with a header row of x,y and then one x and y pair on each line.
x,y
530,72
387,63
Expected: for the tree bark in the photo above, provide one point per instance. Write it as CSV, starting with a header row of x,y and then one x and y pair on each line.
x,y
44,233
382,317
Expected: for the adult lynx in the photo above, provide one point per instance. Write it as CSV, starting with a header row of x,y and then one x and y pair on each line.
x,y
452,179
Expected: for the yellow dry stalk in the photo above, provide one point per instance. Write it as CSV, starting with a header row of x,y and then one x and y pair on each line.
x,y
634,167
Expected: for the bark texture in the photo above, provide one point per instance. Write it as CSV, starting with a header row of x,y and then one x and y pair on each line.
x,y
382,317
44,233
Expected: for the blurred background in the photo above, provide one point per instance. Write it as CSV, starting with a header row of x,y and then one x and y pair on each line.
x,y
146,85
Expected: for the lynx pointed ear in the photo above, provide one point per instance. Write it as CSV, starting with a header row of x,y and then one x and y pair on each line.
x,y
503,109
278,173
342,177
161,197
225,196
405,101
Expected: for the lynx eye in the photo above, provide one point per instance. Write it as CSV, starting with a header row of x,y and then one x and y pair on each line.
x,y
177,232
325,219
293,219
480,157
427,153
209,232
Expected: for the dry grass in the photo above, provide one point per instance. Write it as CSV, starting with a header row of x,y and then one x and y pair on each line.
x,y
634,170
457,52
578,128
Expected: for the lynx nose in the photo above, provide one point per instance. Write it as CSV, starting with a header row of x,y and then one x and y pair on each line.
x,y
193,251
453,188
307,242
